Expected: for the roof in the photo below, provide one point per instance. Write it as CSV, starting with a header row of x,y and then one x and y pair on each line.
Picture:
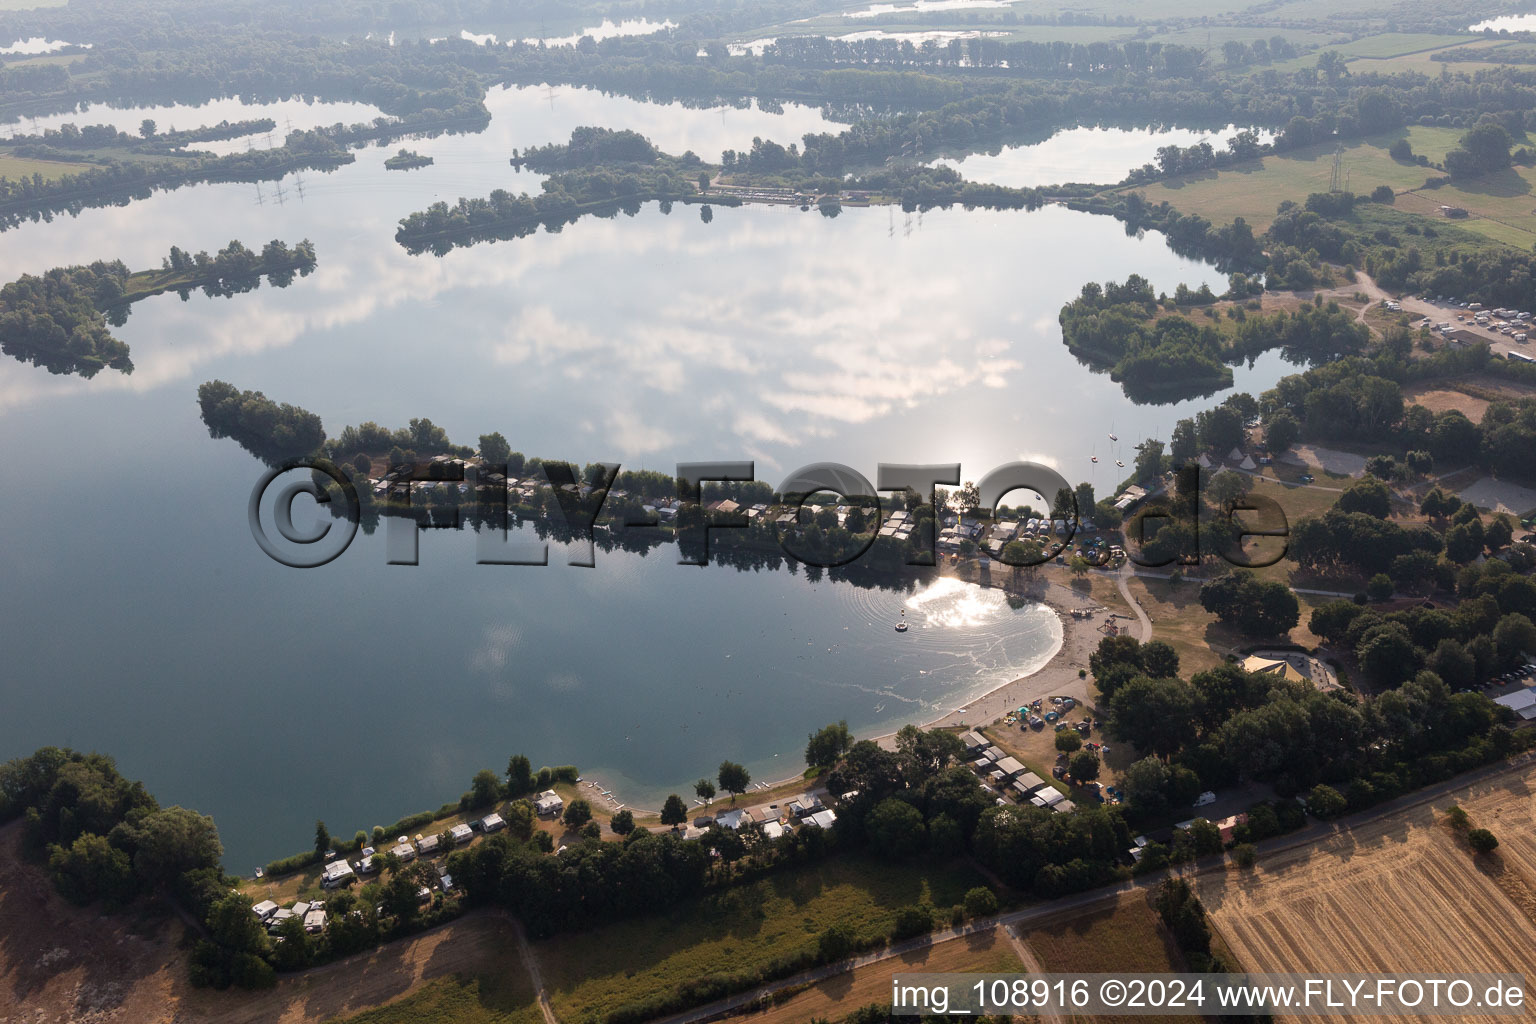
x,y
1519,700
492,822
975,741
822,819
734,819
337,869
773,829
1028,783
1051,795
1273,666
1010,766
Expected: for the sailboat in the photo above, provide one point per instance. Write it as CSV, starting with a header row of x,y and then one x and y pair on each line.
x,y
901,627
1094,458
1112,435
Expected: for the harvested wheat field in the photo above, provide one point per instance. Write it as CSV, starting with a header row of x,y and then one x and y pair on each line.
x,y
1403,894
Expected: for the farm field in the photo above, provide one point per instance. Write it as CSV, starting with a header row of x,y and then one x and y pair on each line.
x,y
1127,937
739,932
1399,894
1423,62
15,167
1252,190
1506,198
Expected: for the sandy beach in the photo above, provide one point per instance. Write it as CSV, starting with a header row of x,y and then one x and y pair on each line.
x,y
1059,676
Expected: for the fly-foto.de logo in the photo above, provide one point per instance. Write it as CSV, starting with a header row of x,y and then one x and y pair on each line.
x,y
1166,526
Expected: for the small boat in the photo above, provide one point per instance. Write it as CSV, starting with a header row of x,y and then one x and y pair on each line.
x,y
901,627
1119,463
1093,458
1113,436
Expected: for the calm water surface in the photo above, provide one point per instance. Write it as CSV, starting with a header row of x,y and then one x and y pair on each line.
x,y
141,619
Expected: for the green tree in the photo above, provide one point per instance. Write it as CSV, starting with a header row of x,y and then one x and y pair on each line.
x,y
622,822
520,818
577,813
92,869
1084,766
1325,802
519,775
980,902
895,829
1367,495
733,778
674,811
148,128
1149,460
494,449
170,842
704,789
322,839
1068,740
1482,841
1154,715
827,745
1144,783
835,942
485,788
1387,654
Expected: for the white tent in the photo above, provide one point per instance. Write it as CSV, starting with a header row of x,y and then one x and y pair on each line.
x,y
1204,460
1235,455
1248,463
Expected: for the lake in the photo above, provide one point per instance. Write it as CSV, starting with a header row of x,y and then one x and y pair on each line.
x,y
1088,155
142,620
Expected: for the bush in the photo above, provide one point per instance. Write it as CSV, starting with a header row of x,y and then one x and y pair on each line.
x,y
1482,841
835,943
1068,740
912,921
1326,802
980,902
1244,855
1457,818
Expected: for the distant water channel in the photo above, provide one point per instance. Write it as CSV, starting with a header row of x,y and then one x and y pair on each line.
x,y
141,619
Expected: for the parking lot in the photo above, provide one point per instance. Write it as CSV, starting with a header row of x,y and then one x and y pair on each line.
x,y
1500,332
